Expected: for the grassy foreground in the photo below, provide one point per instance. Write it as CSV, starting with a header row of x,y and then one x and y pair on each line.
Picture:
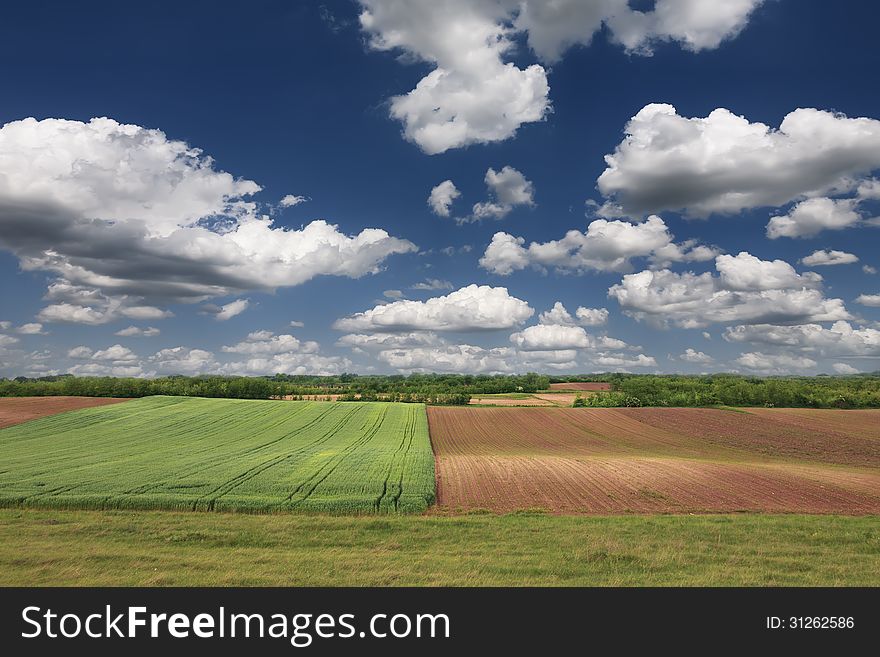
x,y
156,548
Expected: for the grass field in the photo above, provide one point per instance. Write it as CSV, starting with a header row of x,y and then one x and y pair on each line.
x,y
222,454
42,547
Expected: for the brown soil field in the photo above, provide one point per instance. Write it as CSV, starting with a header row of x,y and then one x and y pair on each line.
x,y
558,398
598,461
501,401
594,387
15,410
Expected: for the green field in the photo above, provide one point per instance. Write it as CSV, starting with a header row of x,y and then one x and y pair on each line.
x,y
164,548
223,454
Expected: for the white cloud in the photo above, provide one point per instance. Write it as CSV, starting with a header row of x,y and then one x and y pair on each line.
x,y
289,363
724,164
774,363
470,308
869,300
116,353
442,197
296,324
868,269
291,200
551,337
624,361
392,294
449,358
128,219
693,356
745,272
553,27
841,339
5,325
809,218
473,95
265,343
389,340
707,335
101,369
605,246
844,368
183,360
138,332
33,328
558,314
591,316
740,294
80,352
508,189
827,258
231,309
432,284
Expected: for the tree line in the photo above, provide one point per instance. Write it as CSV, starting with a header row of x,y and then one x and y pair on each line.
x,y
447,389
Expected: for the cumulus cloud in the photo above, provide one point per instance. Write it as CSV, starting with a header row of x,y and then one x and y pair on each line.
x,y
745,272
827,258
442,197
626,361
31,328
553,27
266,343
473,95
470,308
81,304
269,354
605,246
138,332
547,337
591,316
774,363
844,368
116,353
508,189
558,314
691,355
296,324
449,358
740,294
869,300
868,269
841,339
184,360
724,164
291,200
128,219
809,218
382,341
80,352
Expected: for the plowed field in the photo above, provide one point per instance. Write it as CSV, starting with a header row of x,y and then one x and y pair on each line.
x,y
15,410
594,387
656,460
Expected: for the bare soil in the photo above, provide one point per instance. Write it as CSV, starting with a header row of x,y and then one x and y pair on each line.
x,y
15,410
594,387
601,461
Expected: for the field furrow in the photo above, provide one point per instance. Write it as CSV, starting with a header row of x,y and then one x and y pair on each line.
x,y
222,454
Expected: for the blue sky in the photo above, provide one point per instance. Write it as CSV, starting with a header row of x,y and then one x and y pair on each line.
x,y
361,109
